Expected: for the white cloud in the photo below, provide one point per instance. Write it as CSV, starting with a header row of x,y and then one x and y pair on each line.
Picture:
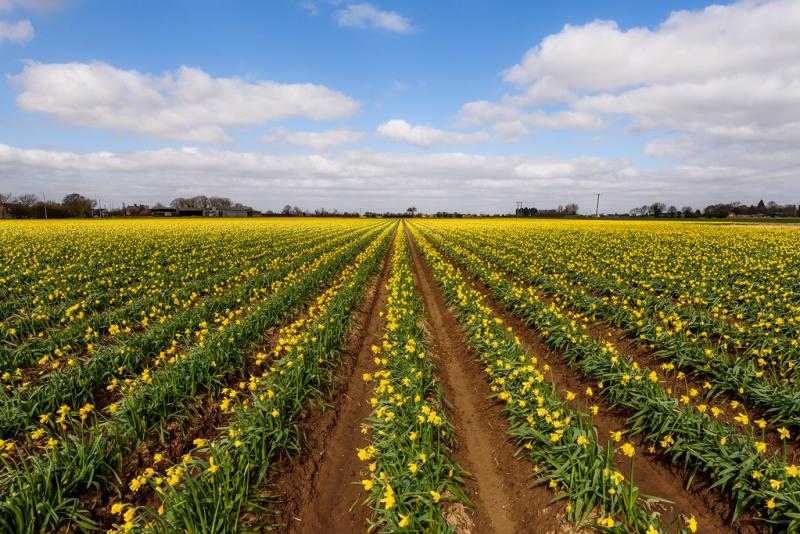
x,y
316,140
16,32
188,105
366,178
426,136
718,81
388,180
365,15
512,123
747,36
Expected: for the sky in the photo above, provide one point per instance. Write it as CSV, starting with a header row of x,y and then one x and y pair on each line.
x,y
461,105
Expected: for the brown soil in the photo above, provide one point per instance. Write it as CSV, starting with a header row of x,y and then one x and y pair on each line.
x,y
318,489
654,476
646,358
500,486
204,421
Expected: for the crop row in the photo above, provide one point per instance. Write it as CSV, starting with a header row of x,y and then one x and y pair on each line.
x,y
686,435
410,475
559,439
210,488
745,378
81,451
112,364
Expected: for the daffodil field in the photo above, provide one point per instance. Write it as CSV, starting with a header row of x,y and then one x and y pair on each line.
x,y
715,313
188,376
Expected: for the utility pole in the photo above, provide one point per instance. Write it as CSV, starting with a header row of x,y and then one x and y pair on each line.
x,y
597,205
519,207
44,203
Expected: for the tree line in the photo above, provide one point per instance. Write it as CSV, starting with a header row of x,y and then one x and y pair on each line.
x,y
717,211
205,202
562,211
29,206
75,205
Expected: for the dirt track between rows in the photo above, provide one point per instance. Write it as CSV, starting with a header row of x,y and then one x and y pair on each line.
x,y
500,486
320,485
653,476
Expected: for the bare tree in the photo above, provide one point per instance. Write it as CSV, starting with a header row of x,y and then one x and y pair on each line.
x,y
220,203
28,200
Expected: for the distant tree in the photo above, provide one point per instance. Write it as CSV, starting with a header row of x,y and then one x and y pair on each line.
x,y
761,207
657,208
672,211
571,209
687,212
773,208
219,203
78,205
411,211
159,205
28,200
718,211
526,212
179,202
21,207
287,210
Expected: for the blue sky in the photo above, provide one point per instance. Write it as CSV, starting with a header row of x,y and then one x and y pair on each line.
x,y
394,82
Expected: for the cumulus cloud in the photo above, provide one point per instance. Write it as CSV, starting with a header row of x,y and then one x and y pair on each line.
x,y
365,15
317,140
426,136
188,105
16,32
690,45
721,77
511,123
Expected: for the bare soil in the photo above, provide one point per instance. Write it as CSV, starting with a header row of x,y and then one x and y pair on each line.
x,y
318,490
500,486
654,476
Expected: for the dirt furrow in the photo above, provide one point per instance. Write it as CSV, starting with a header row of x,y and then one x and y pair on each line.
x,y
646,358
653,475
319,487
500,485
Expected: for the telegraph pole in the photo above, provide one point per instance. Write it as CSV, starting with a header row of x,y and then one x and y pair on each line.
x,y
44,203
597,205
